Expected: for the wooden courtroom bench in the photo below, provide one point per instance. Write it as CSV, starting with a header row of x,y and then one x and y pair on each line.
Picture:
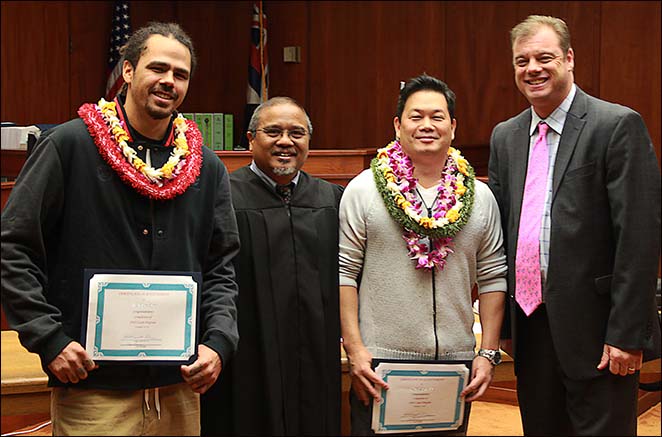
x,y
24,384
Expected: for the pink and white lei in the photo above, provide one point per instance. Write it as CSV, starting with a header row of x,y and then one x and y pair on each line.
x,y
429,238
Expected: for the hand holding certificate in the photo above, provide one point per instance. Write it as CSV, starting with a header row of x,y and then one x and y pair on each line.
x,y
421,397
141,317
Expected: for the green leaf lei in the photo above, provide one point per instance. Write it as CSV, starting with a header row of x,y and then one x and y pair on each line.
x,y
399,214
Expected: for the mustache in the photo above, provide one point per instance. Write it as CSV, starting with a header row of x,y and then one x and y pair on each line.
x,y
170,91
289,151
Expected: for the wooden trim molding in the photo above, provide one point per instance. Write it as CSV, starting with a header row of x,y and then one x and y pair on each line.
x,y
334,165
337,165
11,163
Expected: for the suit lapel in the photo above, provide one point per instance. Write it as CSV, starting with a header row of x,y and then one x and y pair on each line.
x,y
519,162
574,123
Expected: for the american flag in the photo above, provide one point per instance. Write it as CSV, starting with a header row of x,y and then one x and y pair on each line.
x,y
119,35
258,67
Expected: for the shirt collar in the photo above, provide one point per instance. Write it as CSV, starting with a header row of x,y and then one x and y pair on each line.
x,y
267,179
135,136
556,119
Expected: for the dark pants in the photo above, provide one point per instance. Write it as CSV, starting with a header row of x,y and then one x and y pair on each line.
x,y
551,403
361,420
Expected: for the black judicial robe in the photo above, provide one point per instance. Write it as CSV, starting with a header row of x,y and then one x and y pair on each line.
x,y
285,378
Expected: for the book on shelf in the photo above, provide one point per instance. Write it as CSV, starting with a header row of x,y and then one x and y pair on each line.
x,y
218,130
229,131
204,120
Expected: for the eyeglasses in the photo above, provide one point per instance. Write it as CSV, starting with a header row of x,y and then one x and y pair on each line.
x,y
277,133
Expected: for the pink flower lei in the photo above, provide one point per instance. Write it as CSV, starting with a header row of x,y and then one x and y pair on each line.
x,y
429,235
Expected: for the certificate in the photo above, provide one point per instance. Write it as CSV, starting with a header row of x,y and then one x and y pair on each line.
x,y
142,318
421,397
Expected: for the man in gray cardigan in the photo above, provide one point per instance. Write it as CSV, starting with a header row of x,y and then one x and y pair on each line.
x,y
417,232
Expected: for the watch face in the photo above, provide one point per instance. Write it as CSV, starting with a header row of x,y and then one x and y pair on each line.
x,y
492,355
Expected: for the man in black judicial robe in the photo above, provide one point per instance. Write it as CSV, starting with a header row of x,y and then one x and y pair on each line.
x,y
285,376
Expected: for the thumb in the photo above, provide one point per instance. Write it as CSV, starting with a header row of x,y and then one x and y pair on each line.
x,y
604,361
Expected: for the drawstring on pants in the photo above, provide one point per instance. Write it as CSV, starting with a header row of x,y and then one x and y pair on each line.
x,y
157,401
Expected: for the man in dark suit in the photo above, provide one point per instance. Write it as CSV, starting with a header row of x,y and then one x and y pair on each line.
x,y
582,228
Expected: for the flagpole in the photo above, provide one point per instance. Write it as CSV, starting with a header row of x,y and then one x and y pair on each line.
x,y
263,88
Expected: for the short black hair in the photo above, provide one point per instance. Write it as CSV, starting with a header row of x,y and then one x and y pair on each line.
x,y
425,83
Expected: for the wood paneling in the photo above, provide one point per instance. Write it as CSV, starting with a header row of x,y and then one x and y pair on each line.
x,y
11,163
288,26
144,11
360,51
221,33
479,68
89,52
336,166
35,62
342,81
354,54
630,60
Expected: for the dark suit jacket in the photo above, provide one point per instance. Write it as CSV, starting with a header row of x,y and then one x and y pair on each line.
x,y
605,230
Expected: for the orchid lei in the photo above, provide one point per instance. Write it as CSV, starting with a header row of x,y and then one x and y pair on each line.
x,y
112,141
394,175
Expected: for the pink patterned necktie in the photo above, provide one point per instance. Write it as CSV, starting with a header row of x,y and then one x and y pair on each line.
x,y
528,287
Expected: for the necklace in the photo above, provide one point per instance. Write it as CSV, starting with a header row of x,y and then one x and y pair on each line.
x,y
111,138
429,237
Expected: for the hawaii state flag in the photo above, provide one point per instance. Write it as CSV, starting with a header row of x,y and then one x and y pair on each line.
x,y
119,34
258,67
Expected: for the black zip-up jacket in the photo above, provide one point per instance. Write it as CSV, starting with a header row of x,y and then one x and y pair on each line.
x,y
70,211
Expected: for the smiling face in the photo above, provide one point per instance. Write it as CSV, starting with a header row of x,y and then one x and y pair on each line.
x,y
159,82
280,154
543,73
425,128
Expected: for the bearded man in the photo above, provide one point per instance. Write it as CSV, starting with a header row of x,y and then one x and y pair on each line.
x,y
128,186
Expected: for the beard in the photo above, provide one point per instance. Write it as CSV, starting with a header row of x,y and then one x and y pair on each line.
x,y
284,171
157,113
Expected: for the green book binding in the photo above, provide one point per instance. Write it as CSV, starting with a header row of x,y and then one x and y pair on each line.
x,y
218,137
205,121
229,131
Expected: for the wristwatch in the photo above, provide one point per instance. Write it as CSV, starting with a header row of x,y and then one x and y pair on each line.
x,y
493,355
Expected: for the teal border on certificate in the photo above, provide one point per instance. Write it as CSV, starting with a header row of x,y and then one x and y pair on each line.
x,y
422,426
137,353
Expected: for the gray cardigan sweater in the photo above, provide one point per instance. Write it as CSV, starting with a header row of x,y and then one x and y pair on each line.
x,y
395,299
